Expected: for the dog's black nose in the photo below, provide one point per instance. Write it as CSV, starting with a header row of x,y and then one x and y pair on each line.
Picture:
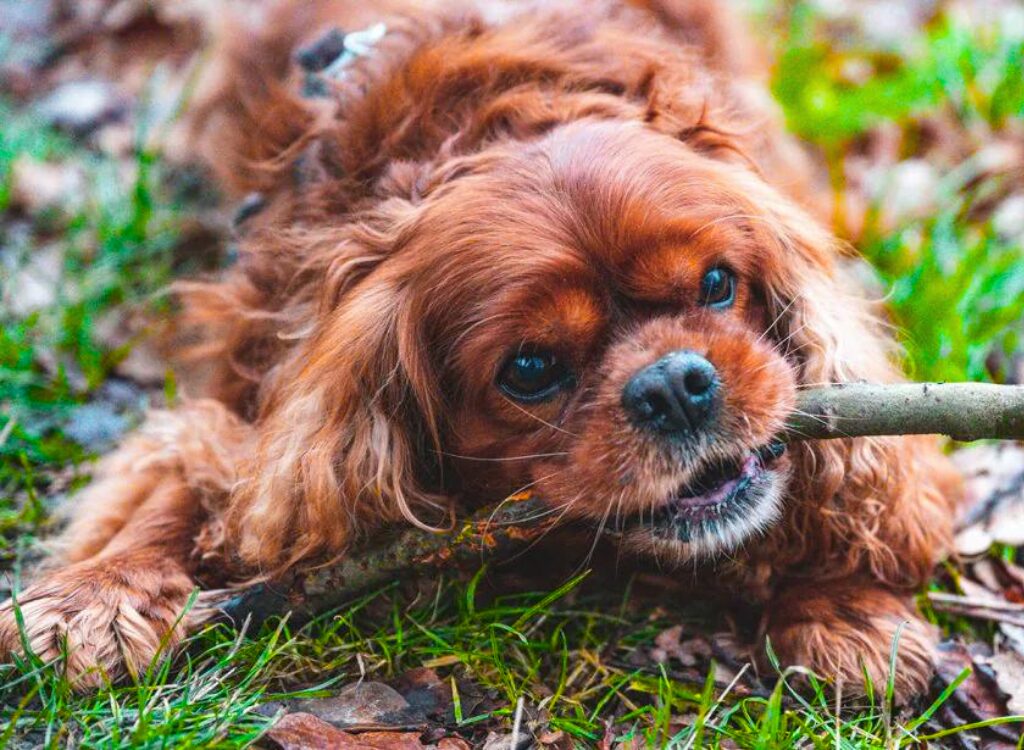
x,y
675,394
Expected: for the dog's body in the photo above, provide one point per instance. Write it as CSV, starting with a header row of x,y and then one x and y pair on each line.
x,y
506,249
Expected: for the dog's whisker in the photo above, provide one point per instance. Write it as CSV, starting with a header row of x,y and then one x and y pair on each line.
x,y
778,317
819,384
510,497
538,419
502,459
564,510
778,346
597,538
831,418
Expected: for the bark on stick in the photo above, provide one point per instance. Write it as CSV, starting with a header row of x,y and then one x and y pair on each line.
x,y
964,411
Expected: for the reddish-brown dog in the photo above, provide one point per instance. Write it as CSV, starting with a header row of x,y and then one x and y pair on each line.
x,y
502,249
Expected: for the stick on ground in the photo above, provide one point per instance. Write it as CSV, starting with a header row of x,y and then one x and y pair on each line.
x,y
964,411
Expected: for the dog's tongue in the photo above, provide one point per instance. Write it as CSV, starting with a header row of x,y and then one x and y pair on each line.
x,y
715,483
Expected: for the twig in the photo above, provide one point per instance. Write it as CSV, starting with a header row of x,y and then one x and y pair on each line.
x,y
488,534
965,411
979,609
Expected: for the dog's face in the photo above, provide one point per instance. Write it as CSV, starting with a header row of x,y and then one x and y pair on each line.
x,y
603,308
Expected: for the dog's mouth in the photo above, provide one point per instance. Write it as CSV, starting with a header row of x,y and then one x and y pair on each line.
x,y
727,501
722,482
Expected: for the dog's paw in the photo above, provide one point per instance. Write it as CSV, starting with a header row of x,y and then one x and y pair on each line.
x,y
101,619
846,632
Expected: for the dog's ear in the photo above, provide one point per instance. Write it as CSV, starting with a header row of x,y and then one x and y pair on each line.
x,y
346,428
818,314
879,505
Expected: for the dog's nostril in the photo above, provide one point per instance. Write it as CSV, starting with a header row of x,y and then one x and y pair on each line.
x,y
655,404
676,394
699,379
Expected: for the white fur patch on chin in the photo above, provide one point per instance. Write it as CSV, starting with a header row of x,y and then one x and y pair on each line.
x,y
738,529
727,535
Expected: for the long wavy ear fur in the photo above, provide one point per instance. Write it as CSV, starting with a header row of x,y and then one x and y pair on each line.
x,y
341,435
882,506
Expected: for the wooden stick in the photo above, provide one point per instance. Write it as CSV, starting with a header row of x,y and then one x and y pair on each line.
x,y
491,533
965,411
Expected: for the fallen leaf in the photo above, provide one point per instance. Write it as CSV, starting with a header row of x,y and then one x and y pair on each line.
x,y
33,286
1008,219
453,743
977,698
980,592
95,426
302,731
427,694
1008,667
143,364
972,541
994,489
984,571
1000,577
362,705
906,191
81,106
670,644
557,740
40,185
495,741
1012,636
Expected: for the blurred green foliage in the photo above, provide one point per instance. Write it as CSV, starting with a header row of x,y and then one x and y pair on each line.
x,y
956,287
114,253
833,93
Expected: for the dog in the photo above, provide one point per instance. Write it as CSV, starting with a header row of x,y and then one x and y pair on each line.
x,y
503,247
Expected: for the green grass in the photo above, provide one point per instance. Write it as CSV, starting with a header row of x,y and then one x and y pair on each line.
x,y
955,290
566,653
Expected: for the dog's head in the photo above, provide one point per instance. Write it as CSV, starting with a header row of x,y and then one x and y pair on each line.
x,y
610,299
605,316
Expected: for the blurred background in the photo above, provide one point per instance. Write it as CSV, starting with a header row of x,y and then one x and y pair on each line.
x,y
914,109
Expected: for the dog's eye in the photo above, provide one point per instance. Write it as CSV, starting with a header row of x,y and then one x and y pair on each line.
x,y
718,288
533,375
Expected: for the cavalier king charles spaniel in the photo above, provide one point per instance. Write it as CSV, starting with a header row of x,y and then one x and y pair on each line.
x,y
506,246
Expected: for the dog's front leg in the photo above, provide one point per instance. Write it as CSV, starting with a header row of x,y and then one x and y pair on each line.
x,y
130,551
845,629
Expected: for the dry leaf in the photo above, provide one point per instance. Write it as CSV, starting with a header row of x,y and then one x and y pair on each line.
x,y
974,540
453,743
302,731
1012,636
362,705
976,698
555,740
669,644
427,694
81,106
1008,219
39,185
994,486
34,286
1008,667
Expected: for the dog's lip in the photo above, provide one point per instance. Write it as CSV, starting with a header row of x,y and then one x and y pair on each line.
x,y
722,481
